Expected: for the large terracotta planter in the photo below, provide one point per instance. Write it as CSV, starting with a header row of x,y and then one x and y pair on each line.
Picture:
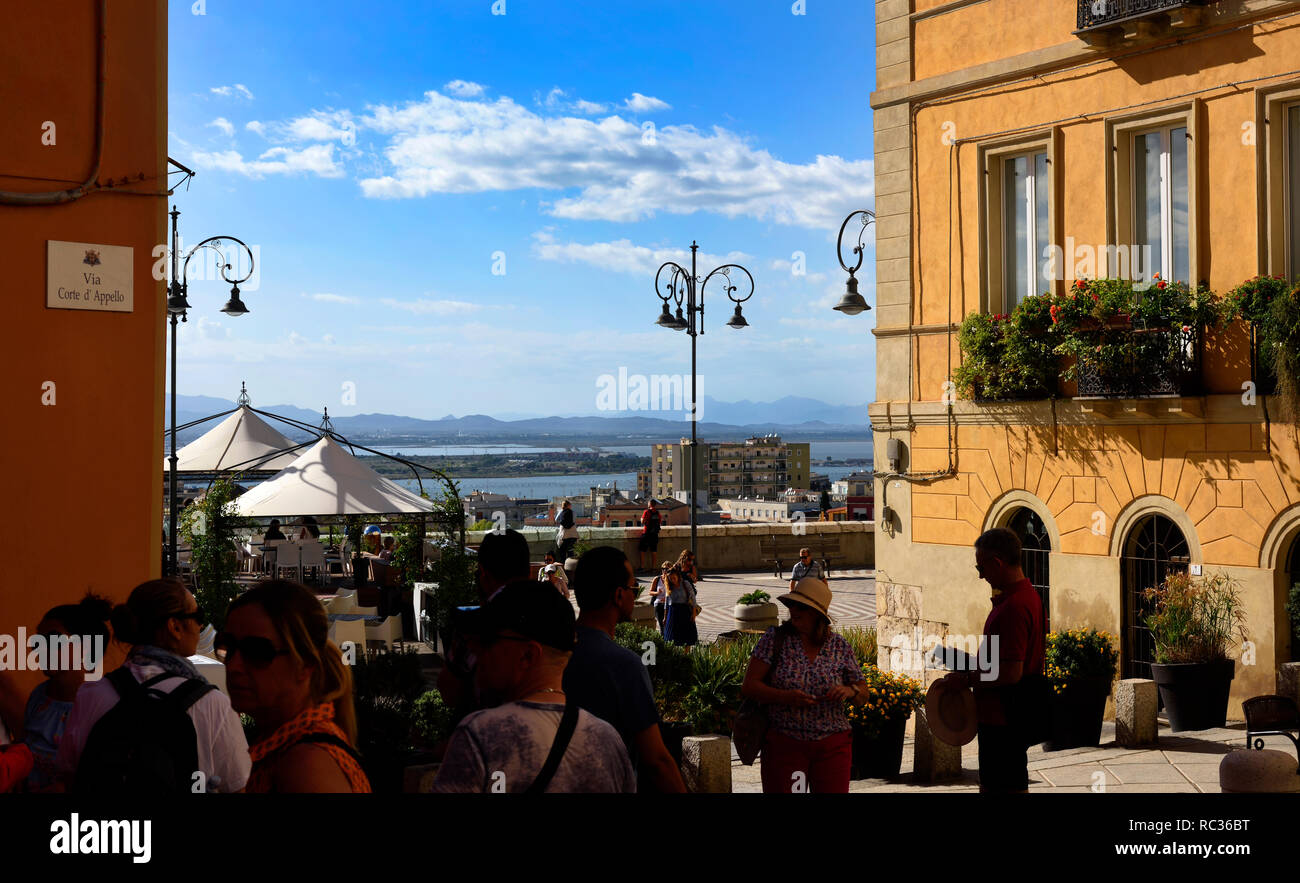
x,y
1195,694
1077,713
881,757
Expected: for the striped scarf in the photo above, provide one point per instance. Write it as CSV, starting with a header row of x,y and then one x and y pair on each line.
x,y
318,719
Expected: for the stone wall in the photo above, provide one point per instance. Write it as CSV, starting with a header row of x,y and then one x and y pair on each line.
x,y
725,547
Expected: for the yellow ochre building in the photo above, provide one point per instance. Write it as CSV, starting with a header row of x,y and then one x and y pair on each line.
x,y
1019,146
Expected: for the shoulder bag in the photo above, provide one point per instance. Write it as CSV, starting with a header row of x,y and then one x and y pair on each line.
x,y
749,729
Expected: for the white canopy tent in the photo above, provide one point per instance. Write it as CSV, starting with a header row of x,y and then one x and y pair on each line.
x,y
327,480
243,441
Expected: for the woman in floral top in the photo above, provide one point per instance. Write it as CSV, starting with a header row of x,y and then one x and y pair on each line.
x,y
809,742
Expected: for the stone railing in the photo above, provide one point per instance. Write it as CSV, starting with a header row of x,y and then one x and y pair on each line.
x,y
722,547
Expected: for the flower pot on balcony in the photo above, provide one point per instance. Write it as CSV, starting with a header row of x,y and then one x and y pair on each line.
x,y
879,756
1077,712
1195,694
756,616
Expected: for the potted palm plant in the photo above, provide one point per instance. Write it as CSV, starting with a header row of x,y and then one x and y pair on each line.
x,y
755,610
879,722
1080,665
1194,621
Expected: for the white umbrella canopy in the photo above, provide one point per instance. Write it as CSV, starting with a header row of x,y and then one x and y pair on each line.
x,y
327,480
241,441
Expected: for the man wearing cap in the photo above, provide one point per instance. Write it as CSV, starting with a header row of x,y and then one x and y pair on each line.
x,y
1014,634
611,681
803,671
532,738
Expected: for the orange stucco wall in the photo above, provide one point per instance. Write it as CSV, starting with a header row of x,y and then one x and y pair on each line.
x,y
82,480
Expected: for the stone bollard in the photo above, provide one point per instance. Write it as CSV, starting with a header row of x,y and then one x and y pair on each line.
x,y
933,759
1246,771
1288,681
1135,712
706,764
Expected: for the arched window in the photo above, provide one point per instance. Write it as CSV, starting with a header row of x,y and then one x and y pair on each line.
x,y
1035,555
1154,548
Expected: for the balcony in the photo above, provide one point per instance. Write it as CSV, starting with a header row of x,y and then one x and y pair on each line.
x,y
1142,363
1106,22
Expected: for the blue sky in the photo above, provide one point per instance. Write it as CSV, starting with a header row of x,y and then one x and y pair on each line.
x,y
385,158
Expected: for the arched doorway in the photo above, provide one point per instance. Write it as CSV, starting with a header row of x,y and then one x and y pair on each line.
x,y
1035,555
1290,578
1155,547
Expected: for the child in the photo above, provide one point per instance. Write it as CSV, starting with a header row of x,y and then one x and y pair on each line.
x,y
51,700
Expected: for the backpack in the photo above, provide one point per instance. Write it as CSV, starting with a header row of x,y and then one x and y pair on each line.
x,y
145,745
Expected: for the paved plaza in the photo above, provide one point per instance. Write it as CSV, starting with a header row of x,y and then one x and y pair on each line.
x,y
853,601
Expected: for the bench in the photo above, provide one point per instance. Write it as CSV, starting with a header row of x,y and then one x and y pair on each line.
x,y
779,549
1272,716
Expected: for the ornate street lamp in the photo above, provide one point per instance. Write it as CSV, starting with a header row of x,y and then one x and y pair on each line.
x,y
853,303
684,285
177,307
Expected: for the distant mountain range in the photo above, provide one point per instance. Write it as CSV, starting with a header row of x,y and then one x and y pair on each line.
x,y
789,415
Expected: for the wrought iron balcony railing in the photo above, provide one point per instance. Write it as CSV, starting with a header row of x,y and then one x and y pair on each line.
x,y
1096,14
1142,363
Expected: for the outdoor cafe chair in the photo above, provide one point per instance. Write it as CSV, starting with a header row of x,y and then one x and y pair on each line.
x,y
313,558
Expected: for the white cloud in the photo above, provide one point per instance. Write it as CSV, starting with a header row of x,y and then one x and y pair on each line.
x,y
427,307
224,125
590,108
333,298
443,145
621,256
256,127
328,338
639,103
463,89
318,159
321,126
239,90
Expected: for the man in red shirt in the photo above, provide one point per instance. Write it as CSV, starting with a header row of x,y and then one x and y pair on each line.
x,y
1005,691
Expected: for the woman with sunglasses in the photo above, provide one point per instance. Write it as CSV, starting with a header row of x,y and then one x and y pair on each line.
x,y
686,564
680,617
282,669
161,621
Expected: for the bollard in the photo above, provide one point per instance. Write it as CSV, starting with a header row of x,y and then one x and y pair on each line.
x,y
1135,712
706,764
933,759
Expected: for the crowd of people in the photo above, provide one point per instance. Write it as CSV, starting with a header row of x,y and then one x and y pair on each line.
x,y
546,701
156,726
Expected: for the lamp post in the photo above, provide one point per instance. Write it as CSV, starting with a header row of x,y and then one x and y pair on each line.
x,y
853,303
177,307
686,285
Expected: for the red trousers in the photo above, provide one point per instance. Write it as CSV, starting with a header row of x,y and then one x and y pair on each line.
x,y
821,766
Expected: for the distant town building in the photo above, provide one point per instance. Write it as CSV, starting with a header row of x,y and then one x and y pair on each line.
x,y
762,466
643,482
483,506
628,514
746,509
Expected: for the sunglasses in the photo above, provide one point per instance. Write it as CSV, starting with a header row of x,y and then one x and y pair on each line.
x,y
257,652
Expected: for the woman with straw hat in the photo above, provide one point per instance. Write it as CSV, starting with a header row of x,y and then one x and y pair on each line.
x,y
803,672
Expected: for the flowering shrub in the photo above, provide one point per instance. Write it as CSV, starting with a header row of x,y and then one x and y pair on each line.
x,y
1007,356
888,696
1092,322
1079,653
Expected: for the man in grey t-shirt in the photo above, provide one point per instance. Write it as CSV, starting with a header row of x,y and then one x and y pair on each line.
x,y
806,566
524,638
